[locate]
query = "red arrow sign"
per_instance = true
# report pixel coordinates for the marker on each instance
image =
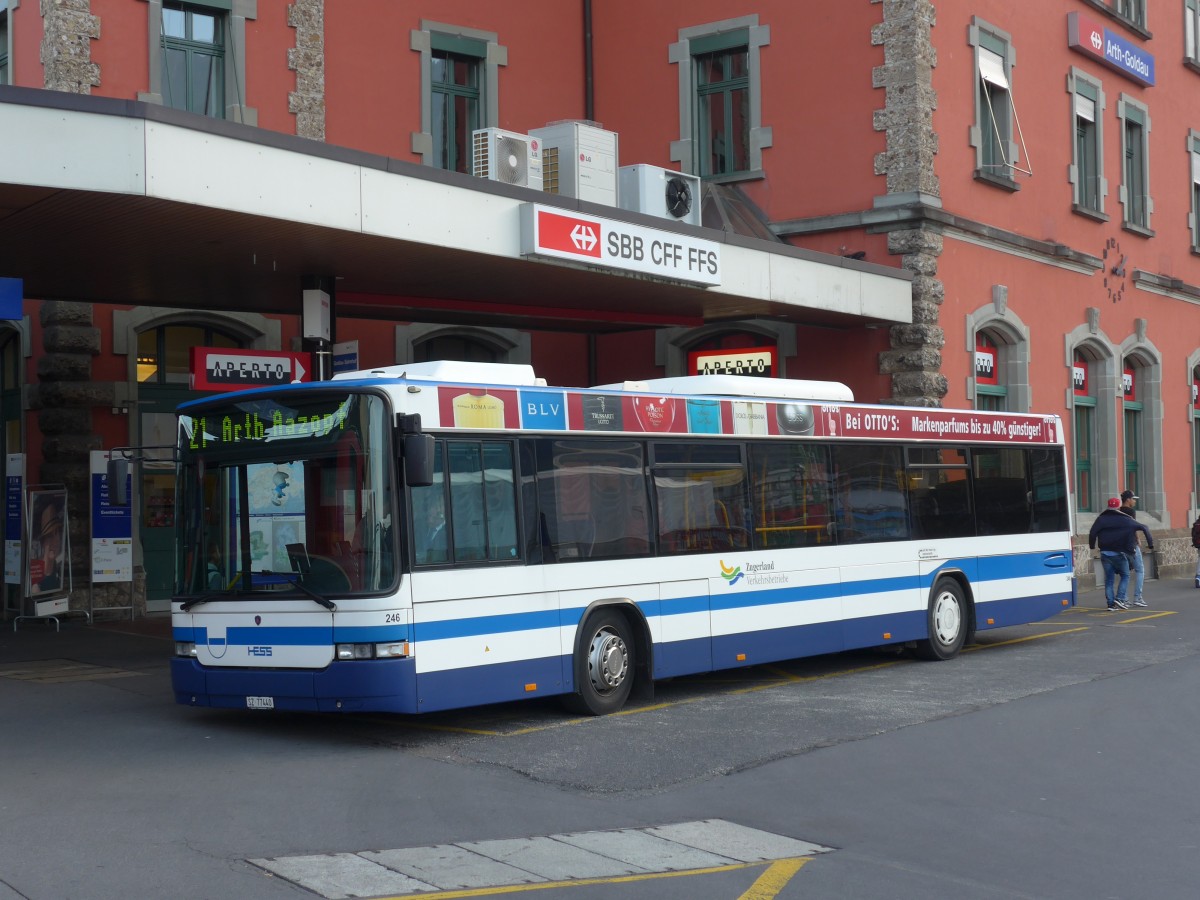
(225, 369)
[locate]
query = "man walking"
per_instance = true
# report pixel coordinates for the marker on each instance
(1115, 534)
(1136, 563)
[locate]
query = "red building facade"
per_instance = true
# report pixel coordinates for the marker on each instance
(1029, 177)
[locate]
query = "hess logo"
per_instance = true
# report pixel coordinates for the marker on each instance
(258, 651)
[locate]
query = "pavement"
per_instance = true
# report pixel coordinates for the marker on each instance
(134, 645)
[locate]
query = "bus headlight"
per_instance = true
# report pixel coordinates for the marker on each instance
(390, 650)
(185, 648)
(355, 651)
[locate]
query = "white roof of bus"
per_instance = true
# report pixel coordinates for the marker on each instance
(456, 372)
(739, 386)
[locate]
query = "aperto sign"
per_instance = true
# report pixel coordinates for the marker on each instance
(1087, 36)
(230, 369)
(590, 240)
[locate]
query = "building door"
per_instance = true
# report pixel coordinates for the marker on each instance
(163, 371)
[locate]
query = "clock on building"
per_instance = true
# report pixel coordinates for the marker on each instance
(1114, 270)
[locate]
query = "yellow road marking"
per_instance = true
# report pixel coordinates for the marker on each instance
(774, 880)
(1157, 615)
(584, 882)
(1021, 640)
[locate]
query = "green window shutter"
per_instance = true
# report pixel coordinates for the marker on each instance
(453, 43)
(726, 40)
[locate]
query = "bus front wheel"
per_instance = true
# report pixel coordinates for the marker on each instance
(604, 665)
(947, 622)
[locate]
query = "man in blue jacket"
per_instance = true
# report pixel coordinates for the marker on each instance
(1115, 534)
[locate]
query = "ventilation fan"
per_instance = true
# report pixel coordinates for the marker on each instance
(666, 193)
(679, 198)
(507, 157)
(512, 160)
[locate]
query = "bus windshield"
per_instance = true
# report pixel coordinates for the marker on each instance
(286, 493)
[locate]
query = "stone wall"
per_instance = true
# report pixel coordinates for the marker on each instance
(915, 359)
(68, 29)
(307, 60)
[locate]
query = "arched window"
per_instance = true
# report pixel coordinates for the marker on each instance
(998, 342)
(1195, 415)
(164, 353)
(461, 347)
(1083, 436)
(1132, 407)
(991, 392)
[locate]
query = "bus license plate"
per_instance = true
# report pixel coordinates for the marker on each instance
(260, 702)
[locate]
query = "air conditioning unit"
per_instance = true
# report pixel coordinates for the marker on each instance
(579, 159)
(660, 192)
(507, 156)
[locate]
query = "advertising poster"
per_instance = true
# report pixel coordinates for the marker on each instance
(14, 517)
(49, 572)
(112, 527)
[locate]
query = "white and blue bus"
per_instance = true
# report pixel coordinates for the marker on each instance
(447, 534)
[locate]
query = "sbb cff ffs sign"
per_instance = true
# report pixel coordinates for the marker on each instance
(229, 369)
(556, 234)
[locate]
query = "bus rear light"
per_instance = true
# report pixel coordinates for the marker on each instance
(185, 648)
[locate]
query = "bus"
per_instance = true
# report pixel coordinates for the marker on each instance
(442, 535)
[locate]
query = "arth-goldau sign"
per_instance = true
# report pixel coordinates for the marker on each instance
(560, 234)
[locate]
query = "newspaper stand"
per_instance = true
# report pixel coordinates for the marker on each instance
(46, 555)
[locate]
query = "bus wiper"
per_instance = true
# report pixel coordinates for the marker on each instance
(301, 586)
(206, 597)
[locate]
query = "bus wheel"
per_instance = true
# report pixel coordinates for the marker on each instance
(604, 665)
(947, 622)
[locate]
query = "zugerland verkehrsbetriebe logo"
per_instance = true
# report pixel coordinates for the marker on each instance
(754, 573)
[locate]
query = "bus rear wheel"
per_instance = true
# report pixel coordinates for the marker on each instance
(604, 665)
(947, 622)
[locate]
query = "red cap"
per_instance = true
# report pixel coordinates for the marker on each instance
(1114, 503)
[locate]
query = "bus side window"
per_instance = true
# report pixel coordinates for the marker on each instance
(428, 516)
(872, 501)
(592, 500)
(790, 493)
(466, 501)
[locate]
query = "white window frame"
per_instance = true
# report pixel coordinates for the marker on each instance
(683, 151)
(1083, 89)
(495, 56)
(994, 62)
(1193, 147)
(1191, 32)
(6, 41)
(235, 14)
(1131, 111)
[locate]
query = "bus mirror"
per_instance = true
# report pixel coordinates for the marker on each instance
(418, 460)
(118, 481)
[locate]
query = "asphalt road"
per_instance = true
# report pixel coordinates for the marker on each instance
(1052, 761)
